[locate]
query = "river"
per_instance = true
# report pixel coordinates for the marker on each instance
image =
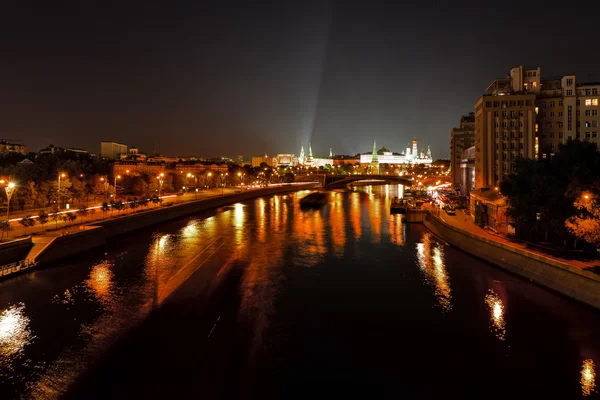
(263, 299)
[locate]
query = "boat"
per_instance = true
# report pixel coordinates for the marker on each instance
(315, 199)
(398, 205)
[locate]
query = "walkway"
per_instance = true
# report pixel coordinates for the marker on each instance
(465, 222)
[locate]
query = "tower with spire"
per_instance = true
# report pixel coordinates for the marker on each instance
(415, 150)
(375, 160)
(309, 159)
(428, 152)
(301, 158)
(330, 152)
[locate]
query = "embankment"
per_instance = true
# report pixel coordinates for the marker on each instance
(15, 250)
(573, 282)
(79, 242)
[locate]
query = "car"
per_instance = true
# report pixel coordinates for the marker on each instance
(449, 210)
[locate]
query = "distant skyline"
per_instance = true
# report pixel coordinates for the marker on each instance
(218, 78)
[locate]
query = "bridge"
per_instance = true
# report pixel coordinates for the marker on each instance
(340, 181)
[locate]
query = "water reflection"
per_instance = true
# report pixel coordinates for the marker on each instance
(100, 281)
(396, 229)
(431, 261)
(14, 334)
(337, 223)
(588, 377)
(355, 211)
(496, 308)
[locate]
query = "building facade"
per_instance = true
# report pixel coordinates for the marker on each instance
(461, 139)
(6, 147)
(588, 108)
(411, 156)
(505, 125)
(467, 172)
(112, 150)
(256, 161)
(285, 160)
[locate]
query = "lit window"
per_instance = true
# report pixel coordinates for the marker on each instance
(588, 102)
(594, 102)
(536, 110)
(533, 84)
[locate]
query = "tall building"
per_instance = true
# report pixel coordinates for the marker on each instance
(309, 158)
(588, 108)
(112, 150)
(256, 161)
(505, 122)
(555, 109)
(461, 139)
(467, 172)
(374, 160)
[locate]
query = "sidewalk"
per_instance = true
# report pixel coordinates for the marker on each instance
(465, 222)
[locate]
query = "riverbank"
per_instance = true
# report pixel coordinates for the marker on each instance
(53, 246)
(567, 277)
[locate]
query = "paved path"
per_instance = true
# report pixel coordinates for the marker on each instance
(465, 222)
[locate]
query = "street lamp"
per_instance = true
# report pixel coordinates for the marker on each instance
(116, 177)
(160, 183)
(190, 175)
(106, 185)
(60, 175)
(223, 183)
(10, 188)
(209, 175)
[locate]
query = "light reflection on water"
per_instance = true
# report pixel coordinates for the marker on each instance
(15, 334)
(431, 262)
(496, 309)
(588, 377)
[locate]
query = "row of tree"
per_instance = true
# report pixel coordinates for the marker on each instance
(555, 198)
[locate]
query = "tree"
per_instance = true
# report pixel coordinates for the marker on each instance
(70, 217)
(5, 226)
(55, 216)
(289, 177)
(585, 225)
(26, 222)
(133, 205)
(543, 195)
(43, 217)
(105, 207)
(82, 212)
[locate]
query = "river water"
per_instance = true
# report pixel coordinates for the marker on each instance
(263, 299)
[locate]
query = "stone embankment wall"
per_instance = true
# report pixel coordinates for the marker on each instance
(573, 282)
(15, 250)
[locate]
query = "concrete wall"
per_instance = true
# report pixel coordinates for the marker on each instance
(71, 244)
(573, 282)
(74, 243)
(15, 250)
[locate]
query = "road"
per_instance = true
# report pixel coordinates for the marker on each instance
(96, 214)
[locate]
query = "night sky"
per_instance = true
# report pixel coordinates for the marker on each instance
(222, 78)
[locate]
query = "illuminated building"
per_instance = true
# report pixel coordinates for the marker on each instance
(505, 125)
(461, 139)
(411, 156)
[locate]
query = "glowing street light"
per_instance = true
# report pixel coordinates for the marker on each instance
(10, 188)
(190, 175)
(116, 177)
(60, 175)
(160, 183)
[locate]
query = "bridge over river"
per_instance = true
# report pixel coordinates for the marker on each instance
(340, 181)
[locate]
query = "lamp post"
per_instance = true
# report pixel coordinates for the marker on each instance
(116, 177)
(223, 183)
(190, 175)
(209, 175)
(60, 175)
(10, 188)
(241, 175)
(160, 183)
(106, 184)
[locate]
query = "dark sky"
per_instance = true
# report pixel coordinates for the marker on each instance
(227, 77)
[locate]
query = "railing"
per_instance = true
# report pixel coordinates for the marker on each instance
(13, 268)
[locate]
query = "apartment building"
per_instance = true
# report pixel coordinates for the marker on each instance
(505, 125)
(555, 109)
(588, 108)
(461, 139)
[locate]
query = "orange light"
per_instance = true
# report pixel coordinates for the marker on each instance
(586, 196)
